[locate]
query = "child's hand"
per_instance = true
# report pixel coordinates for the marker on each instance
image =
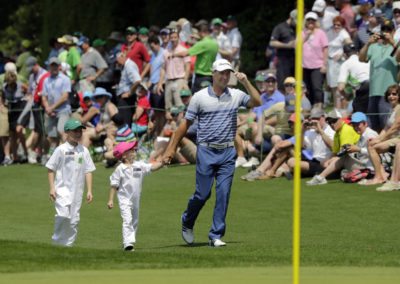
(89, 197)
(52, 194)
(110, 204)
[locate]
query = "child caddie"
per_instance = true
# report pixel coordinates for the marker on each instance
(69, 166)
(127, 180)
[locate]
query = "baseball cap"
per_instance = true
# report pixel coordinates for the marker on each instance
(319, 6)
(363, 2)
(87, 94)
(396, 5)
(358, 117)
(311, 15)
(290, 102)
(334, 114)
(143, 86)
(375, 13)
(222, 65)
(317, 113)
(164, 31)
(172, 25)
(30, 62)
(289, 80)
(101, 92)
(293, 15)
(185, 93)
(10, 67)
(73, 124)
(144, 31)
(54, 60)
(201, 23)
(131, 30)
(67, 39)
(264, 76)
(216, 21)
(123, 147)
(348, 48)
(82, 40)
(98, 42)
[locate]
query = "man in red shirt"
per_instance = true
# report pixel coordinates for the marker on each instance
(135, 50)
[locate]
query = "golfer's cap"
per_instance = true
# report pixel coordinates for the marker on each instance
(164, 31)
(82, 40)
(123, 147)
(317, 113)
(216, 22)
(222, 65)
(311, 16)
(264, 76)
(73, 124)
(87, 95)
(358, 117)
(131, 30)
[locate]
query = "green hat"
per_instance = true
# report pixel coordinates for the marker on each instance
(131, 30)
(185, 93)
(144, 31)
(216, 21)
(175, 110)
(73, 124)
(98, 42)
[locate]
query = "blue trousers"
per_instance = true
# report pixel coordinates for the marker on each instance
(212, 164)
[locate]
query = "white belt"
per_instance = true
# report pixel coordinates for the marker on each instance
(217, 145)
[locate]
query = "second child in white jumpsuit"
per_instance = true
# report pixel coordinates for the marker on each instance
(127, 181)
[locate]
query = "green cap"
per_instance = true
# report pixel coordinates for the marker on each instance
(185, 93)
(73, 124)
(98, 42)
(175, 110)
(131, 30)
(143, 31)
(216, 21)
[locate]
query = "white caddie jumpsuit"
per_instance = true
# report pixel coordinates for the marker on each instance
(128, 180)
(70, 165)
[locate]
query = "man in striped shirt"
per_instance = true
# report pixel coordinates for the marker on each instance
(216, 109)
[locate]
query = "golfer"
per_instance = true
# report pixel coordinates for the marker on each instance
(216, 109)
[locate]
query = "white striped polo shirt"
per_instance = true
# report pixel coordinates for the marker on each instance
(217, 116)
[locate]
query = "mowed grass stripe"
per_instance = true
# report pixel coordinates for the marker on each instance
(342, 225)
(273, 275)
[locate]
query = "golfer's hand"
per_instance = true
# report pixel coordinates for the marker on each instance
(242, 78)
(52, 194)
(110, 204)
(89, 197)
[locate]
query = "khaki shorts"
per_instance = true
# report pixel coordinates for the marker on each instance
(55, 125)
(4, 125)
(189, 151)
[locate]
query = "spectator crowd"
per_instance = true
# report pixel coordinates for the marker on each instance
(137, 84)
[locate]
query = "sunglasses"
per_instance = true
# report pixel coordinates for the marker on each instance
(271, 81)
(289, 85)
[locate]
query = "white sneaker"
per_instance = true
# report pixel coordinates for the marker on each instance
(252, 162)
(217, 243)
(187, 235)
(317, 180)
(389, 186)
(32, 157)
(7, 161)
(240, 161)
(129, 247)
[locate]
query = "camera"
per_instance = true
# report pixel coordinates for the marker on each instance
(380, 34)
(344, 150)
(310, 123)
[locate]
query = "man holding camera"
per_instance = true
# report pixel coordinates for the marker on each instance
(350, 156)
(381, 51)
(317, 143)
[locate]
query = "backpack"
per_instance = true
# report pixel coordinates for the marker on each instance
(355, 175)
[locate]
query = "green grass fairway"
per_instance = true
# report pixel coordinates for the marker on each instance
(343, 225)
(270, 275)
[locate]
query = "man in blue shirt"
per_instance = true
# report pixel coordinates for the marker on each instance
(157, 101)
(216, 109)
(55, 95)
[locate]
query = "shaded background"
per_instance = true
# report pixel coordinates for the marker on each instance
(39, 20)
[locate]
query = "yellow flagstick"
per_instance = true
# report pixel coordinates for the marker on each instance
(297, 148)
